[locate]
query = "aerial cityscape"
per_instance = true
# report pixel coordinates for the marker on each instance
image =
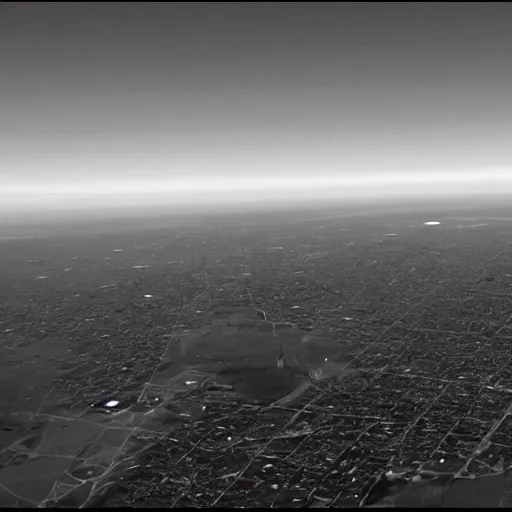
(255, 255)
(146, 362)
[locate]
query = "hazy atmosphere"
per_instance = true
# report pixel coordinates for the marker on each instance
(109, 103)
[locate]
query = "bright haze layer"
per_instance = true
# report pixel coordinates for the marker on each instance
(110, 104)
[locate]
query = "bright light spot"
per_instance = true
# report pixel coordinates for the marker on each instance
(432, 223)
(42, 277)
(442, 461)
(189, 382)
(295, 307)
(148, 296)
(325, 359)
(229, 438)
(112, 403)
(140, 266)
(117, 250)
(275, 487)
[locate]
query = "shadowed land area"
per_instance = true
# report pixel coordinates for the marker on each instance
(444, 492)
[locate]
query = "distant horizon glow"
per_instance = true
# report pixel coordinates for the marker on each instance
(230, 183)
(253, 189)
(254, 183)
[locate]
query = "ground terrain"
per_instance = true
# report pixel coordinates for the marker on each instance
(270, 360)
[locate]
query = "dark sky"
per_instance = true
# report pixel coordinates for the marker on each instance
(154, 95)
